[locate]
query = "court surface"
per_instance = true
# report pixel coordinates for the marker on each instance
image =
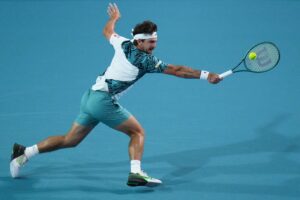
(235, 140)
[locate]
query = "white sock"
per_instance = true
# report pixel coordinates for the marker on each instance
(31, 151)
(135, 166)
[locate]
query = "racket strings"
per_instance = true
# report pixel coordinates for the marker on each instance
(267, 57)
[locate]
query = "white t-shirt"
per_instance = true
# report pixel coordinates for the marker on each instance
(127, 66)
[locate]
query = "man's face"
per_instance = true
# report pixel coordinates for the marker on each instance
(148, 45)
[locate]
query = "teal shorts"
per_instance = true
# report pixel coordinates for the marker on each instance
(99, 106)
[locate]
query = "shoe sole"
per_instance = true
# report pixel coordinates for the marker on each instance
(139, 182)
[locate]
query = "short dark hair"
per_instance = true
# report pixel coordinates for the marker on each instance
(144, 27)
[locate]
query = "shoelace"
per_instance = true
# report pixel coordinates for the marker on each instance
(143, 173)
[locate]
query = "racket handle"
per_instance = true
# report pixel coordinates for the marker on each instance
(225, 74)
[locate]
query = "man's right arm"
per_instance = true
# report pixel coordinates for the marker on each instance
(187, 72)
(114, 15)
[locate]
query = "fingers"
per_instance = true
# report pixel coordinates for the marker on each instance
(116, 7)
(112, 9)
(217, 79)
(214, 78)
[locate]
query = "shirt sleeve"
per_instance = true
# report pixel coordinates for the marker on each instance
(151, 64)
(116, 40)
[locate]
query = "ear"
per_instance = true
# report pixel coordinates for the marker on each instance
(139, 41)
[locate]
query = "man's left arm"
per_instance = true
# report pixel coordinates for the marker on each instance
(187, 72)
(114, 15)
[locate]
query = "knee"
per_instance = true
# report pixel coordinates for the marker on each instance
(137, 133)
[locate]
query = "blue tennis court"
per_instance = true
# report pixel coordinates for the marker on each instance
(238, 139)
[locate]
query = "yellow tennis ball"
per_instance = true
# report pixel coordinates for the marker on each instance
(252, 56)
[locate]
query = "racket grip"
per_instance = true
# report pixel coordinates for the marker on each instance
(225, 74)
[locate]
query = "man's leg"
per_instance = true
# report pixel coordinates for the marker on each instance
(71, 139)
(134, 130)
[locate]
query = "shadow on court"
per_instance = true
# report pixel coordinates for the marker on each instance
(192, 166)
(189, 170)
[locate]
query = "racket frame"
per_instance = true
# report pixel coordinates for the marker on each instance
(229, 72)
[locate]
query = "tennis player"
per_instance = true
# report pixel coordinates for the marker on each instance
(132, 60)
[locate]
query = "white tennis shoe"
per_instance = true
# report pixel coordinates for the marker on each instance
(18, 159)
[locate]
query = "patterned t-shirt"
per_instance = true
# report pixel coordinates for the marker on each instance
(128, 65)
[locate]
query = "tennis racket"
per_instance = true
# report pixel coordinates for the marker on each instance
(267, 57)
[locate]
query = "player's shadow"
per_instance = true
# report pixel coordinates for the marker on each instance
(24, 187)
(189, 169)
(192, 167)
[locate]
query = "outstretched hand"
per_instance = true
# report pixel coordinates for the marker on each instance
(113, 11)
(214, 78)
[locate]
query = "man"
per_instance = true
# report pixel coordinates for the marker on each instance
(132, 59)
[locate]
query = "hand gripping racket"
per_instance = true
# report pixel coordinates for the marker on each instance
(260, 58)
